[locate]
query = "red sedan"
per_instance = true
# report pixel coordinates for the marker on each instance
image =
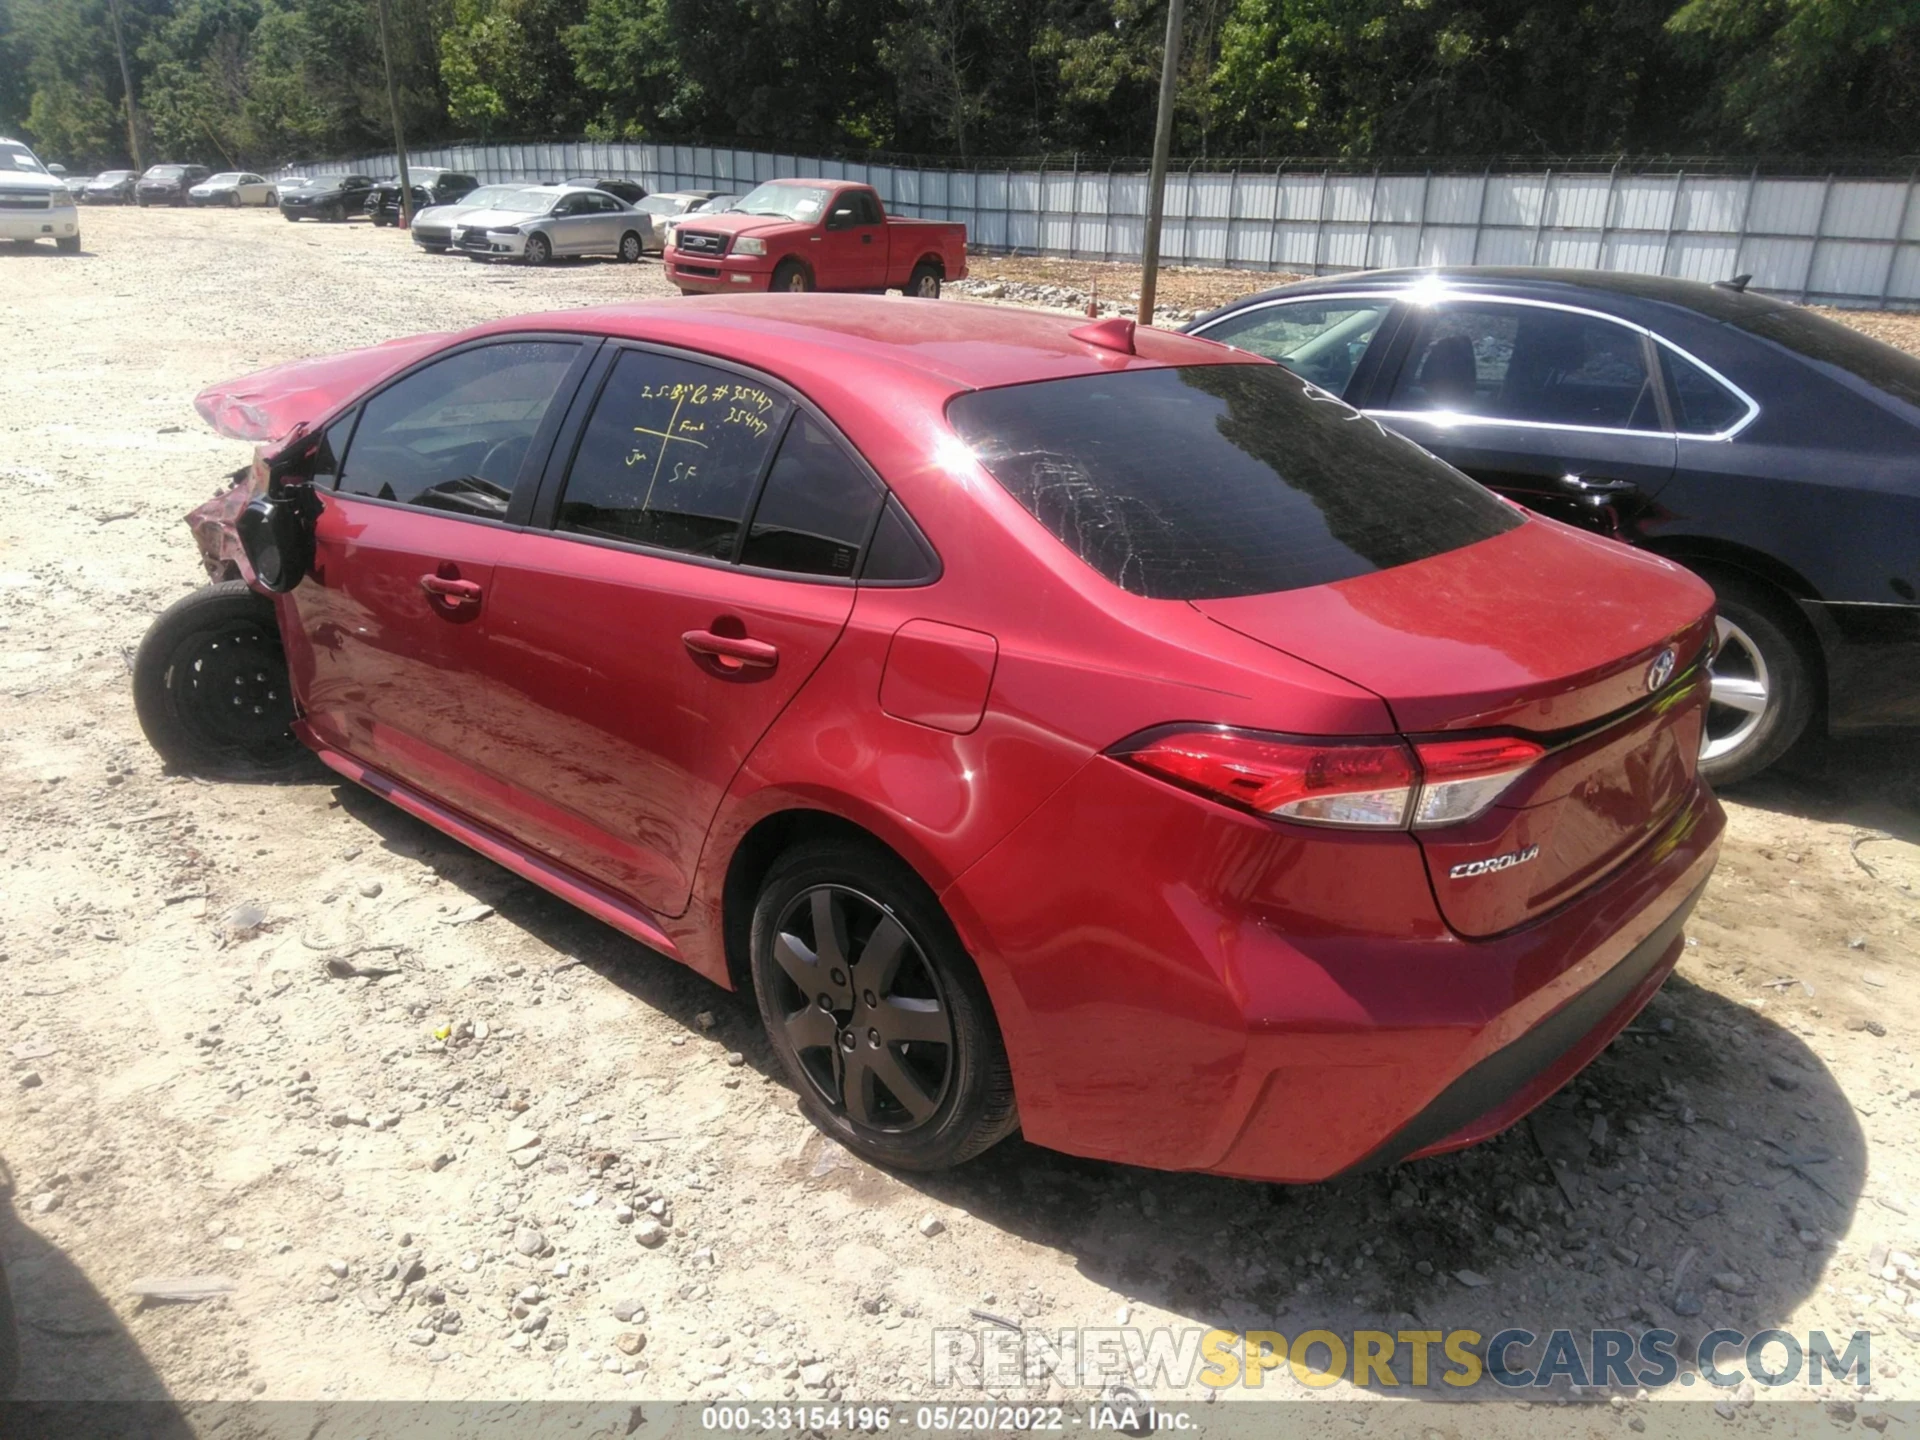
(1096, 731)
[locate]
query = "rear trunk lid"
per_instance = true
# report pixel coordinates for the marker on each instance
(1593, 650)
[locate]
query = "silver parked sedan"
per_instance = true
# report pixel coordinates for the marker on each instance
(546, 222)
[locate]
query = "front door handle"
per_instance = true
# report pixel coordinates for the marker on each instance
(866, 239)
(454, 592)
(732, 652)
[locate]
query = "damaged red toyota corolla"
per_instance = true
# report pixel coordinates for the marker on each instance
(1096, 732)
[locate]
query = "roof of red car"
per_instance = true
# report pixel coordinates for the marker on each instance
(963, 346)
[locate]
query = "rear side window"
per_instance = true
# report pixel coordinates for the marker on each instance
(1701, 404)
(817, 510)
(453, 434)
(1828, 342)
(1217, 480)
(671, 455)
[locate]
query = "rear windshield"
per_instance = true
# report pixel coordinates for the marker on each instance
(1828, 342)
(1218, 480)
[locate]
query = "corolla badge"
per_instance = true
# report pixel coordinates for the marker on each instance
(1493, 864)
(1661, 670)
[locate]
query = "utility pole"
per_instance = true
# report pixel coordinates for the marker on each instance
(1157, 181)
(126, 83)
(399, 138)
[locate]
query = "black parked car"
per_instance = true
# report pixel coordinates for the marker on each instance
(430, 187)
(168, 184)
(324, 197)
(110, 187)
(628, 190)
(1773, 451)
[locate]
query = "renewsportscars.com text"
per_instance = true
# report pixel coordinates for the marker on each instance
(1513, 1358)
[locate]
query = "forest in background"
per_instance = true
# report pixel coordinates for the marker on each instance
(255, 83)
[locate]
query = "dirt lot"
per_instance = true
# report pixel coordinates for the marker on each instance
(189, 1086)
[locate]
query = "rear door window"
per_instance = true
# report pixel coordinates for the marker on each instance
(1319, 340)
(1215, 480)
(672, 455)
(817, 510)
(453, 435)
(1530, 364)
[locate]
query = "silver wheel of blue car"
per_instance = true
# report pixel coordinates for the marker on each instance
(1739, 692)
(1764, 680)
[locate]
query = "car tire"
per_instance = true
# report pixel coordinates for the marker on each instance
(916, 1102)
(234, 201)
(1763, 680)
(271, 200)
(211, 689)
(434, 249)
(67, 244)
(924, 283)
(791, 275)
(538, 251)
(632, 247)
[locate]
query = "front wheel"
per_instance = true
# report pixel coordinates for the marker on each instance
(875, 1010)
(791, 275)
(233, 200)
(924, 282)
(1762, 682)
(211, 689)
(631, 247)
(539, 251)
(67, 244)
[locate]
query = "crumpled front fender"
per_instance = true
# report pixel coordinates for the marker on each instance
(213, 524)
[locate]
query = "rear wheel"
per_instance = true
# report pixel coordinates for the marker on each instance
(875, 1010)
(210, 687)
(539, 251)
(1763, 681)
(791, 275)
(925, 281)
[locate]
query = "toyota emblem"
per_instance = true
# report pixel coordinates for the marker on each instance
(1661, 670)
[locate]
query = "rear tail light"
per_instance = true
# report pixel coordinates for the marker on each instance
(1373, 784)
(1461, 778)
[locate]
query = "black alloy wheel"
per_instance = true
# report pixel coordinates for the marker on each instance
(875, 1009)
(862, 1010)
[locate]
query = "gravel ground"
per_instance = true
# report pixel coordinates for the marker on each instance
(446, 1137)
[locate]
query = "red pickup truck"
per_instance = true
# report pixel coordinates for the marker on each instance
(814, 235)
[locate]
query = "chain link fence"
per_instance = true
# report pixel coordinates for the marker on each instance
(1839, 238)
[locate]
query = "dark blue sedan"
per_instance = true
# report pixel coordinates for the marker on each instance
(1771, 450)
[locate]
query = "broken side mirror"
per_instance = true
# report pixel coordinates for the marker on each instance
(276, 531)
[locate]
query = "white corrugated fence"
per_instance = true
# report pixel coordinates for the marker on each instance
(1833, 239)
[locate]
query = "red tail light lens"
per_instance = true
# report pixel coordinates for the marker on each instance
(1461, 778)
(1380, 784)
(1322, 782)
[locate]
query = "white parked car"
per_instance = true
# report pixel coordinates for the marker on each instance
(35, 204)
(234, 187)
(433, 226)
(667, 208)
(545, 222)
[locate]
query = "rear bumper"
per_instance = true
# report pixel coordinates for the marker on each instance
(1203, 990)
(718, 274)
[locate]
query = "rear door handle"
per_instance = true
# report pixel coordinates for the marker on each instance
(753, 654)
(454, 592)
(1598, 493)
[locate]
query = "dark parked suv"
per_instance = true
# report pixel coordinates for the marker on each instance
(1769, 449)
(168, 184)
